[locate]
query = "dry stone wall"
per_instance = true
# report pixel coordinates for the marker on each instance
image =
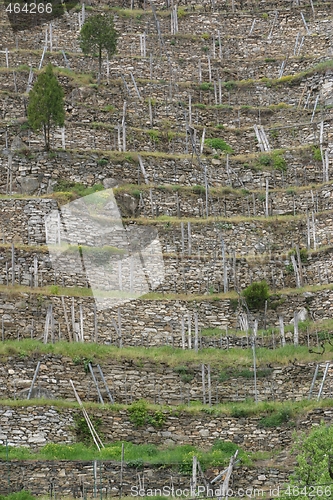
(21, 426)
(78, 477)
(182, 273)
(131, 381)
(149, 322)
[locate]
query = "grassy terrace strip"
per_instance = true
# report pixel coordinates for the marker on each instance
(75, 291)
(180, 457)
(166, 355)
(231, 220)
(132, 156)
(251, 259)
(267, 414)
(87, 78)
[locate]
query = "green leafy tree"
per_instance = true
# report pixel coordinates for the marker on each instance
(313, 474)
(46, 104)
(98, 34)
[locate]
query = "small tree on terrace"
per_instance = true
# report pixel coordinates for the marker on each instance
(98, 34)
(46, 104)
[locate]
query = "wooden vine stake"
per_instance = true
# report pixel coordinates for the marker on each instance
(91, 428)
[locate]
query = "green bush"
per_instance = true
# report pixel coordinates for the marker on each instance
(303, 253)
(279, 163)
(256, 294)
(82, 430)
(64, 186)
(154, 135)
(276, 419)
(317, 156)
(218, 143)
(229, 85)
(265, 160)
(185, 375)
(140, 417)
(206, 86)
(102, 162)
(197, 189)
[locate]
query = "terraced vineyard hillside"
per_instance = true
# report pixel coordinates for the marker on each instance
(205, 156)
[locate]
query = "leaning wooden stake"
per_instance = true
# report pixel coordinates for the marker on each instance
(91, 428)
(225, 486)
(66, 319)
(33, 380)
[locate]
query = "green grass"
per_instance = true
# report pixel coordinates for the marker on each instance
(134, 455)
(65, 186)
(235, 359)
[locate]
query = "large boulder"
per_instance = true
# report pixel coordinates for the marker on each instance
(28, 184)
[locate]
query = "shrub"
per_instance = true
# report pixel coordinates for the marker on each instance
(82, 430)
(303, 253)
(229, 85)
(276, 419)
(279, 163)
(140, 417)
(317, 154)
(256, 294)
(184, 373)
(218, 143)
(197, 189)
(102, 162)
(154, 135)
(265, 160)
(206, 86)
(76, 187)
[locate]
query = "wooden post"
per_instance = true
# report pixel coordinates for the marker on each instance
(189, 331)
(202, 140)
(73, 318)
(300, 270)
(255, 329)
(298, 283)
(196, 330)
(194, 477)
(308, 233)
(189, 240)
(295, 329)
(199, 71)
(150, 112)
(66, 319)
(266, 198)
(121, 470)
(189, 109)
(203, 384)
(95, 323)
(182, 236)
(209, 386)
(119, 326)
(209, 70)
(81, 324)
(13, 265)
(314, 231)
(283, 339)
(183, 332)
(220, 46)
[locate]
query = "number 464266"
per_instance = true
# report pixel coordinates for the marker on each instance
(29, 8)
